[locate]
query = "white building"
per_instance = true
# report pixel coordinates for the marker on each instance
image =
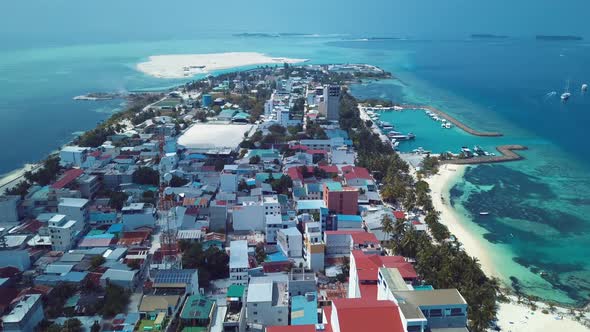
(314, 247)
(63, 232)
(168, 162)
(25, 315)
(238, 262)
(343, 155)
(72, 156)
(9, 208)
(274, 223)
(290, 241)
(250, 216)
(267, 303)
(121, 278)
(74, 209)
(138, 215)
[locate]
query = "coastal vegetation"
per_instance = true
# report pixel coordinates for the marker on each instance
(441, 261)
(42, 176)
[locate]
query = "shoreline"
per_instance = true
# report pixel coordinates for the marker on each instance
(511, 316)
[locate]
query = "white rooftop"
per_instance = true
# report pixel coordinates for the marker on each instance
(213, 136)
(73, 202)
(260, 292)
(21, 309)
(238, 254)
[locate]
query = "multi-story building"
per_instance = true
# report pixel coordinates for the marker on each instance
(25, 315)
(267, 303)
(63, 232)
(313, 246)
(74, 209)
(423, 310)
(72, 156)
(228, 181)
(332, 102)
(290, 242)
(88, 185)
(274, 223)
(339, 199)
(9, 208)
(341, 243)
(238, 262)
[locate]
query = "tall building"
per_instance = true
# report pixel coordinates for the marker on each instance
(341, 200)
(332, 102)
(25, 315)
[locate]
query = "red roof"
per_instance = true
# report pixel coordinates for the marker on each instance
(364, 314)
(324, 152)
(68, 177)
(95, 153)
(8, 271)
(299, 147)
(399, 214)
(295, 174)
(353, 172)
(330, 168)
(358, 236)
(367, 266)
(368, 291)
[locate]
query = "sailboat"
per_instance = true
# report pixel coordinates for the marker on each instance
(566, 95)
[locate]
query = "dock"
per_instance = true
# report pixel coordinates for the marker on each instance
(452, 120)
(506, 151)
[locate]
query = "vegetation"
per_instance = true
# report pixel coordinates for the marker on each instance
(43, 176)
(254, 160)
(177, 181)
(117, 199)
(146, 176)
(429, 165)
(260, 253)
(211, 263)
(282, 185)
(97, 261)
(116, 300)
(55, 303)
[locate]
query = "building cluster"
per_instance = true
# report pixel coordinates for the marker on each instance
(299, 221)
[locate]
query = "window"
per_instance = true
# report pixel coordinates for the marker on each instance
(280, 320)
(255, 304)
(457, 312)
(255, 313)
(435, 313)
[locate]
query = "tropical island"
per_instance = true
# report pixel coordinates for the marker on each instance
(266, 188)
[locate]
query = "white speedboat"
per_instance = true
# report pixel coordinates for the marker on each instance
(565, 96)
(584, 88)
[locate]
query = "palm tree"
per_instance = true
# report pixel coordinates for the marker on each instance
(387, 226)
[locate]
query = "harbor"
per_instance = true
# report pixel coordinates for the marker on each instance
(393, 136)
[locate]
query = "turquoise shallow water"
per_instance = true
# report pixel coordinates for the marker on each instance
(540, 206)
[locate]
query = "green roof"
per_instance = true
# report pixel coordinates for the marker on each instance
(236, 291)
(72, 301)
(95, 232)
(334, 186)
(194, 329)
(197, 307)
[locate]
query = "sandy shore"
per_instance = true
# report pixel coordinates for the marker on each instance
(440, 186)
(512, 316)
(187, 65)
(11, 179)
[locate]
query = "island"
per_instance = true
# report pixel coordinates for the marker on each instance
(558, 37)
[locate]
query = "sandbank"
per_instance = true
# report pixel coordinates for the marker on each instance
(187, 65)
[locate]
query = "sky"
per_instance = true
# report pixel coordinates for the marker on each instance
(29, 22)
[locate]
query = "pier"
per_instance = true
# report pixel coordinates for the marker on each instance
(506, 151)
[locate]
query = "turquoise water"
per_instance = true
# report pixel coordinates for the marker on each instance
(540, 206)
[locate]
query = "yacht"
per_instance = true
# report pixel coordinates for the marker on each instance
(393, 133)
(446, 125)
(421, 150)
(477, 149)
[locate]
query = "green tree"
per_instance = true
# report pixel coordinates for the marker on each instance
(115, 301)
(97, 261)
(177, 181)
(146, 176)
(255, 160)
(95, 327)
(260, 253)
(387, 225)
(117, 199)
(72, 325)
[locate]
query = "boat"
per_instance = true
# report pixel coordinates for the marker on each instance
(478, 149)
(446, 125)
(566, 95)
(584, 88)
(393, 133)
(484, 213)
(421, 150)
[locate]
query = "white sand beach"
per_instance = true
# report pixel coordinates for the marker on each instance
(512, 316)
(187, 65)
(11, 179)
(440, 186)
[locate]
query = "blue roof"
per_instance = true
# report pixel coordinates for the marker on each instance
(276, 257)
(349, 217)
(196, 156)
(299, 192)
(102, 216)
(115, 228)
(310, 204)
(314, 187)
(334, 186)
(304, 309)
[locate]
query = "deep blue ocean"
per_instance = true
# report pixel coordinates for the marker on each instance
(540, 207)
